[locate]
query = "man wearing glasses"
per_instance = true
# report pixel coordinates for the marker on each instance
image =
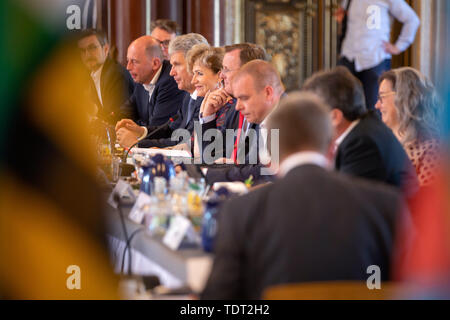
(164, 30)
(110, 84)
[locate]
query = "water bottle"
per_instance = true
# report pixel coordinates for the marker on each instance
(209, 225)
(147, 178)
(210, 218)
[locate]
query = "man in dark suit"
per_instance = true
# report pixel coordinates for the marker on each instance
(129, 132)
(156, 97)
(258, 88)
(110, 83)
(286, 233)
(365, 146)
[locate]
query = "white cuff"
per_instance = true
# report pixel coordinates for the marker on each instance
(144, 134)
(208, 118)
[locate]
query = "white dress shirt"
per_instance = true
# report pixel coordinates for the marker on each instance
(302, 158)
(369, 24)
(96, 75)
(341, 138)
(151, 86)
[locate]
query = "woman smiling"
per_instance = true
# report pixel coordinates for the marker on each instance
(409, 105)
(205, 63)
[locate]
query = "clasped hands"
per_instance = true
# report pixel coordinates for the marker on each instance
(128, 132)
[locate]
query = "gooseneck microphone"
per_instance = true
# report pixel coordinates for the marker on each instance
(174, 118)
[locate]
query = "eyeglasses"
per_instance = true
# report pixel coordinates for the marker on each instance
(164, 43)
(90, 48)
(381, 96)
(225, 70)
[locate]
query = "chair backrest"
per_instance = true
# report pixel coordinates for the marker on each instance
(333, 290)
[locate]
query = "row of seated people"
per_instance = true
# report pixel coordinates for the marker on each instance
(327, 125)
(162, 90)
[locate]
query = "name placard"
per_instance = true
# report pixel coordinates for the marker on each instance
(137, 212)
(179, 226)
(123, 189)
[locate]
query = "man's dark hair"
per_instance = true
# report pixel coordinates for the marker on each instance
(167, 25)
(340, 90)
(100, 34)
(303, 122)
(249, 52)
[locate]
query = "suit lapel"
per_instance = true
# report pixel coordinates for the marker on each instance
(152, 103)
(143, 96)
(190, 110)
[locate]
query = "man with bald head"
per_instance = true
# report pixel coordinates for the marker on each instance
(156, 97)
(258, 89)
(129, 132)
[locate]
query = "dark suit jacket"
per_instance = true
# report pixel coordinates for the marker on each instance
(231, 173)
(241, 172)
(231, 121)
(165, 102)
(116, 87)
(186, 118)
(286, 233)
(372, 151)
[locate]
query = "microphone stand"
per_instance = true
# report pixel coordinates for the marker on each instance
(175, 117)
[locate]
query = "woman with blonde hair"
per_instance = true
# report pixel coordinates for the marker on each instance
(410, 107)
(205, 63)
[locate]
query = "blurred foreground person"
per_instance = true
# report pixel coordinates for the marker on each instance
(410, 107)
(425, 262)
(286, 233)
(51, 223)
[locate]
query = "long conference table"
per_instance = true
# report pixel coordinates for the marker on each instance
(175, 268)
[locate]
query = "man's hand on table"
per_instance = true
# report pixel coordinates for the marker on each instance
(131, 126)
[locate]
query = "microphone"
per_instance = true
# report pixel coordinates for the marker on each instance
(173, 119)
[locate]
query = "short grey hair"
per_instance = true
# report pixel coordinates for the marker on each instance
(185, 42)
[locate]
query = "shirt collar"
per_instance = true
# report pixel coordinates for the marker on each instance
(194, 95)
(346, 132)
(95, 75)
(155, 78)
(302, 158)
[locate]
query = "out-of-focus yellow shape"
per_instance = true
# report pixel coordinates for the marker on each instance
(38, 243)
